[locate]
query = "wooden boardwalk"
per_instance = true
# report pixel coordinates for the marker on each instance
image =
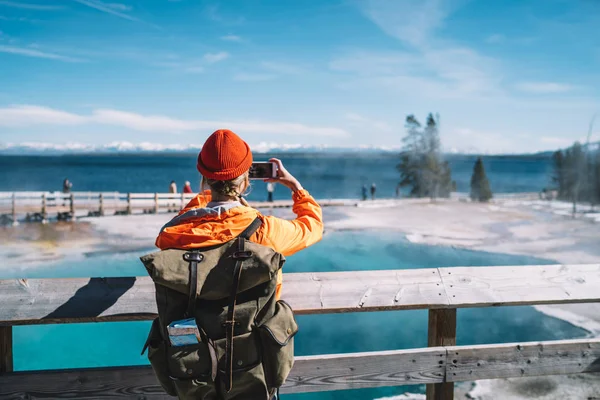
(440, 290)
(43, 206)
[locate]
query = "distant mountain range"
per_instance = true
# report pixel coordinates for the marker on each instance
(40, 148)
(37, 148)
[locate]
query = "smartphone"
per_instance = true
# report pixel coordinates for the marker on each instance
(183, 332)
(263, 170)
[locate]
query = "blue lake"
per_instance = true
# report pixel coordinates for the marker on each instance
(325, 175)
(109, 344)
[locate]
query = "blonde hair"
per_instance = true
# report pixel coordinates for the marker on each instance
(229, 188)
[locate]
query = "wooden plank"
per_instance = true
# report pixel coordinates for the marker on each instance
(310, 374)
(42, 301)
(441, 332)
(72, 205)
(366, 370)
(521, 285)
(14, 210)
(34, 301)
(94, 383)
(338, 371)
(469, 363)
(342, 371)
(351, 291)
(6, 349)
(128, 203)
(43, 211)
(121, 299)
(441, 328)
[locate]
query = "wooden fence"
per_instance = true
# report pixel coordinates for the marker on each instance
(40, 206)
(440, 290)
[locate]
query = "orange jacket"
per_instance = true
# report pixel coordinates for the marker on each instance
(285, 237)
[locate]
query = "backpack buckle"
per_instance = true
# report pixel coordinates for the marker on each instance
(242, 255)
(193, 256)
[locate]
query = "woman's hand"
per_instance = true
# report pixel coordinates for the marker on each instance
(284, 177)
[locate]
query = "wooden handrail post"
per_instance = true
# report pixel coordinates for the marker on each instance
(44, 211)
(128, 203)
(441, 332)
(72, 205)
(101, 201)
(14, 210)
(6, 353)
(155, 203)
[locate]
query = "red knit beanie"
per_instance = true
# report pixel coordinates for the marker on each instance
(224, 156)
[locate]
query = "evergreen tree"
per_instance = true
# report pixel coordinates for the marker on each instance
(558, 178)
(596, 177)
(480, 186)
(421, 166)
(410, 158)
(577, 174)
(574, 171)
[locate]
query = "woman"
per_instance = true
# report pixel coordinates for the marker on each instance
(220, 214)
(187, 188)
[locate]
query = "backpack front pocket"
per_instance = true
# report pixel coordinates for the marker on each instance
(189, 362)
(190, 370)
(277, 339)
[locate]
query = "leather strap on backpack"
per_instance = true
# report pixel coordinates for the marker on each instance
(240, 255)
(193, 258)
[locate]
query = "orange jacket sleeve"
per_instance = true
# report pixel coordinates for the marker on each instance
(289, 237)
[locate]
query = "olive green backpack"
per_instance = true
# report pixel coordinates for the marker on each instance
(245, 349)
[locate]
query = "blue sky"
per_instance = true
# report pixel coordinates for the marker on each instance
(505, 76)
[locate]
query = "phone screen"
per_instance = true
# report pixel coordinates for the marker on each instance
(262, 170)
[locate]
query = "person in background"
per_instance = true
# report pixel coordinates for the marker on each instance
(187, 188)
(67, 186)
(270, 190)
(364, 192)
(398, 191)
(173, 187)
(373, 190)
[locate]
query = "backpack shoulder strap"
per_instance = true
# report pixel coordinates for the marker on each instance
(251, 229)
(240, 255)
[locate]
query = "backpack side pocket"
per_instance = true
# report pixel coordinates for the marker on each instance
(277, 340)
(157, 355)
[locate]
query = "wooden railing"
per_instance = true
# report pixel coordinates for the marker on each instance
(40, 206)
(440, 290)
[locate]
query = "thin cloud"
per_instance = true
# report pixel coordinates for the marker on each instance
(231, 38)
(113, 9)
(454, 72)
(193, 67)
(412, 21)
(363, 122)
(431, 68)
(496, 39)
(268, 70)
(215, 15)
(29, 52)
(29, 6)
(119, 6)
(215, 57)
(252, 77)
(544, 87)
(29, 115)
(282, 68)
